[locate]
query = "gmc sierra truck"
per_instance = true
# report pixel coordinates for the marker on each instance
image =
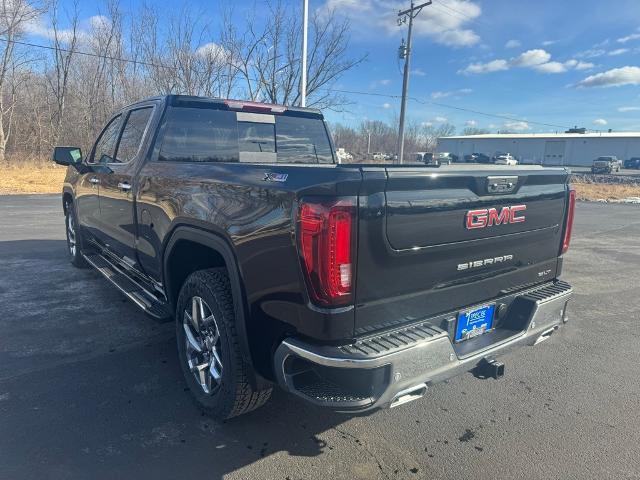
(353, 287)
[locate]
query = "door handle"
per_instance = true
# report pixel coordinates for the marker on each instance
(124, 186)
(94, 180)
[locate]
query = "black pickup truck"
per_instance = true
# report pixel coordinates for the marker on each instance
(352, 286)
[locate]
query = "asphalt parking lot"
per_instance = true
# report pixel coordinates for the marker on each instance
(91, 388)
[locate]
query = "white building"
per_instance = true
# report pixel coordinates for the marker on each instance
(547, 148)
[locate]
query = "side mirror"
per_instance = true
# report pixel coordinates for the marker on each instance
(67, 155)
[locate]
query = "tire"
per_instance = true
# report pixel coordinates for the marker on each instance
(217, 377)
(74, 237)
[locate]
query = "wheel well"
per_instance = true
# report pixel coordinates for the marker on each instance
(185, 258)
(262, 332)
(66, 200)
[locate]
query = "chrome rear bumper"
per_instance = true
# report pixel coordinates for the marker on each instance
(395, 367)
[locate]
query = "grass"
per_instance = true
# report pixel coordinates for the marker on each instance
(46, 177)
(37, 177)
(603, 191)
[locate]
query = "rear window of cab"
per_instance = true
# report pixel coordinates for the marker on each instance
(211, 135)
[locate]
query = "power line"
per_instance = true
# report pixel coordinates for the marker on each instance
(87, 54)
(351, 92)
(453, 107)
(466, 15)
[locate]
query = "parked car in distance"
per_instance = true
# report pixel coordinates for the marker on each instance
(606, 164)
(633, 162)
(505, 159)
(379, 156)
(343, 155)
(278, 266)
(477, 158)
(424, 157)
(445, 158)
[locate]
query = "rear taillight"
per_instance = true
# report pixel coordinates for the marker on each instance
(571, 207)
(326, 242)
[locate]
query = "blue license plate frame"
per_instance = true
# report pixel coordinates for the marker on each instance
(475, 321)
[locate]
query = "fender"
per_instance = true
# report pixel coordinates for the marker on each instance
(67, 190)
(222, 246)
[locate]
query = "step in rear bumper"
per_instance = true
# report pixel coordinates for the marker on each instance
(404, 360)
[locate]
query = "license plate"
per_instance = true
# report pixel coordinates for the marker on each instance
(474, 322)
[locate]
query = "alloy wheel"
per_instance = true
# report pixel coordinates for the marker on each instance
(202, 339)
(71, 235)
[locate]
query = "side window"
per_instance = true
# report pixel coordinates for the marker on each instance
(302, 140)
(199, 135)
(132, 133)
(104, 149)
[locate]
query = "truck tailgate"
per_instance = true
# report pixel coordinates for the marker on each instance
(435, 240)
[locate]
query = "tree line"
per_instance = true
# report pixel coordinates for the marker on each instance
(373, 136)
(64, 90)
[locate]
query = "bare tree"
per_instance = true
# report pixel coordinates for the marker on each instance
(65, 44)
(14, 17)
(432, 134)
(268, 57)
(475, 131)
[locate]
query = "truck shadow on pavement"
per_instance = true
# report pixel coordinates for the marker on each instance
(91, 388)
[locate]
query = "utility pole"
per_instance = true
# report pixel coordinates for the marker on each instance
(303, 79)
(368, 143)
(405, 52)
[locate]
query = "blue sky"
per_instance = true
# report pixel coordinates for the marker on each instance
(564, 62)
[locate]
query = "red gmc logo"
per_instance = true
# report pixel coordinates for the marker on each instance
(488, 217)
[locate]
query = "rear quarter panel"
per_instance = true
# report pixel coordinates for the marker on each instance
(256, 217)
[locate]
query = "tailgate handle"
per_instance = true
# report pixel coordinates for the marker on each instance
(501, 184)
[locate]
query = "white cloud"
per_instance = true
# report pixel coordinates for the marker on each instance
(591, 53)
(600, 121)
(212, 50)
(386, 106)
(513, 44)
(613, 78)
(583, 65)
(548, 43)
(441, 119)
(536, 59)
(462, 91)
(551, 67)
(628, 38)
(492, 66)
(87, 29)
(471, 123)
(531, 58)
(618, 51)
(447, 24)
(427, 124)
(628, 109)
(377, 83)
(517, 126)
(418, 72)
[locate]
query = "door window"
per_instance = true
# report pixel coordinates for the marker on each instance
(199, 135)
(104, 150)
(132, 134)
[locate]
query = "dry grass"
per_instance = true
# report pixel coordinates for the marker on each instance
(603, 191)
(38, 177)
(46, 177)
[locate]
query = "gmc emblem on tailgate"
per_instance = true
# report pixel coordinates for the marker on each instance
(489, 217)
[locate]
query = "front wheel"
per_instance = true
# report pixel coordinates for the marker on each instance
(74, 238)
(209, 347)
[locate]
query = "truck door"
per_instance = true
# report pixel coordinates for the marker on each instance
(117, 220)
(87, 193)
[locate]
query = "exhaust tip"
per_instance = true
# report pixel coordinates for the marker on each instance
(409, 395)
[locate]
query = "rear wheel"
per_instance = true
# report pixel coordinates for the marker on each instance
(209, 350)
(74, 237)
